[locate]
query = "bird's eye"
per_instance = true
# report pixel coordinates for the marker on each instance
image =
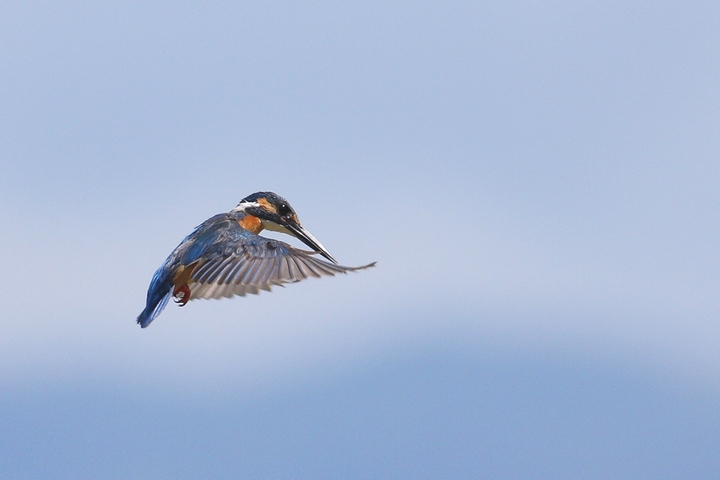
(284, 209)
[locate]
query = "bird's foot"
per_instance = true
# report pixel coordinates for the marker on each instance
(181, 294)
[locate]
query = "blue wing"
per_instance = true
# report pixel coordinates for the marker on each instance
(255, 263)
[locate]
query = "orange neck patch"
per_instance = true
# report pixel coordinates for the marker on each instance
(251, 223)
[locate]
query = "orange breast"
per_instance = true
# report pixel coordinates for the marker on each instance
(251, 223)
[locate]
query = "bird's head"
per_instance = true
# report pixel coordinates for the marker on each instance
(276, 214)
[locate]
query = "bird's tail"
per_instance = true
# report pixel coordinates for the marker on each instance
(151, 312)
(158, 295)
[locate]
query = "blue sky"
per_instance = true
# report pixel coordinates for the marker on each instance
(537, 181)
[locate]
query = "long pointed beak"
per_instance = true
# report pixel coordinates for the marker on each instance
(305, 237)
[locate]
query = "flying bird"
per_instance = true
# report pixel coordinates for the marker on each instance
(224, 256)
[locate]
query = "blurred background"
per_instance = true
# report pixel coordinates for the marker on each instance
(538, 182)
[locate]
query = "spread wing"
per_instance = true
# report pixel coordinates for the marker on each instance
(254, 264)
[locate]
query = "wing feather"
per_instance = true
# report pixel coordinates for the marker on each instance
(316, 272)
(226, 270)
(200, 271)
(255, 264)
(298, 269)
(207, 272)
(247, 263)
(222, 269)
(287, 272)
(239, 274)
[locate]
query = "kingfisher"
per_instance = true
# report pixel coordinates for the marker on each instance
(225, 256)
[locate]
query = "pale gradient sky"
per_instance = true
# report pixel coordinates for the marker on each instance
(539, 183)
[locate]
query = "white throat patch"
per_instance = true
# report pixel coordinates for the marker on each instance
(242, 206)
